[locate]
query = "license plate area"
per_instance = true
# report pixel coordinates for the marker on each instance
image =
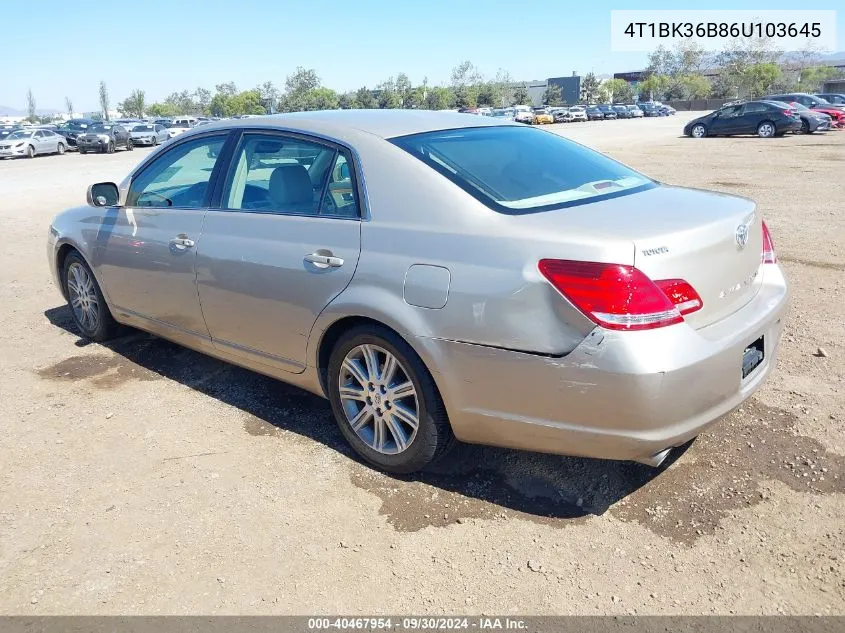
(752, 357)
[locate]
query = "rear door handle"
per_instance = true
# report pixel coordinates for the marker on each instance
(324, 261)
(182, 242)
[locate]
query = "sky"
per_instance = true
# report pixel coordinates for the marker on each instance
(161, 46)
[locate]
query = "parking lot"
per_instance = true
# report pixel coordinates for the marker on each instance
(139, 477)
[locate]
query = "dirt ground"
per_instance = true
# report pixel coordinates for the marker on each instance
(143, 478)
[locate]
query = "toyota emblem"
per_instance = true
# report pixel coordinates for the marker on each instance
(741, 236)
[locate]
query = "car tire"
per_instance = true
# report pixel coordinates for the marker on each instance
(384, 439)
(129, 145)
(155, 141)
(766, 129)
(805, 127)
(699, 130)
(30, 151)
(82, 151)
(60, 149)
(85, 300)
(110, 148)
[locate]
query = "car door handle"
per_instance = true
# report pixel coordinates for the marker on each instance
(182, 242)
(324, 261)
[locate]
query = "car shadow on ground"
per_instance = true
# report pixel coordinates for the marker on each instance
(535, 484)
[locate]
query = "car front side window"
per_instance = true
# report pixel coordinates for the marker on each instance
(179, 178)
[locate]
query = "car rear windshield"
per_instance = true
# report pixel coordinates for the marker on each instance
(522, 170)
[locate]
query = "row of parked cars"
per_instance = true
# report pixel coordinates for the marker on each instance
(566, 114)
(88, 135)
(773, 115)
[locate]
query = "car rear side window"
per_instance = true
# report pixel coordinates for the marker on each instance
(751, 108)
(515, 169)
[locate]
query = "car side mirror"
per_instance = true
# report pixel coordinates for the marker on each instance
(103, 194)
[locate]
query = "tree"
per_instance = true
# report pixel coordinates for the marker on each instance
(228, 89)
(104, 100)
(502, 86)
(321, 99)
(134, 104)
(302, 80)
(810, 79)
(388, 97)
(162, 110)
(403, 90)
(552, 96)
(438, 98)
(365, 99)
(202, 100)
(694, 87)
(465, 83)
(69, 106)
(520, 95)
(30, 106)
(246, 102)
(347, 101)
(590, 88)
(654, 86)
(758, 78)
(183, 102)
(269, 95)
(618, 90)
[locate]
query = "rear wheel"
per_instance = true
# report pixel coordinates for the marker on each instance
(87, 305)
(766, 129)
(698, 131)
(385, 401)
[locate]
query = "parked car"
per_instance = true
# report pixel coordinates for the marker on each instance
(636, 113)
(586, 264)
(649, 109)
(608, 111)
(5, 131)
(104, 137)
(812, 121)
(806, 100)
(561, 115)
(163, 122)
(833, 98)
(149, 134)
(523, 116)
(32, 142)
(73, 128)
(503, 114)
(622, 112)
(179, 125)
(543, 117)
(763, 118)
(594, 113)
(578, 113)
(837, 116)
(666, 110)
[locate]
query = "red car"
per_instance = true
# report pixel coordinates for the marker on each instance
(836, 115)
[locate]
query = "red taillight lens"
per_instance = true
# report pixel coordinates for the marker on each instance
(681, 294)
(768, 256)
(614, 296)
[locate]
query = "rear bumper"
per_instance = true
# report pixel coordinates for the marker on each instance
(618, 395)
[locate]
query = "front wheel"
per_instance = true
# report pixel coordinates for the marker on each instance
(698, 131)
(110, 148)
(82, 151)
(766, 129)
(385, 401)
(129, 145)
(30, 152)
(87, 305)
(805, 127)
(60, 148)
(155, 141)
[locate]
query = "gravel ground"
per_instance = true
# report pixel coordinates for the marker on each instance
(139, 477)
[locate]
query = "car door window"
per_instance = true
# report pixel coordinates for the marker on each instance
(278, 174)
(731, 112)
(39, 134)
(179, 178)
(340, 199)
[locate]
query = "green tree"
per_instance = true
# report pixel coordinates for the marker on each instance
(618, 91)
(30, 106)
(228, 89)
(202, 100)
(183, 102)
(520, 95)
(219, 105)
(403, 89)
(654, 86)
(348, 101)
(590, 88)
(758, 78)
(811, 78)
(365, 99)
(134, 104)
(104, 100)
(552, 96)
(321, 99)
(269, 95)
(438, 98)
(694, 86)
(69, 106)
(246, 102)
(162, 110)
(465, 84)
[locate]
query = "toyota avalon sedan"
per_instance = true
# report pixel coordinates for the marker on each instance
(437, 277)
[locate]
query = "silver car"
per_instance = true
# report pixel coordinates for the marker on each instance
(31, 142)
(437, 276)
(148, 134)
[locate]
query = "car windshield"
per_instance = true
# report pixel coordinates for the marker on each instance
(519, 170)
(19, 134)
(143, 128)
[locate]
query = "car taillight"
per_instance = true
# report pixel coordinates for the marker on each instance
(768, 256)
(621, 297)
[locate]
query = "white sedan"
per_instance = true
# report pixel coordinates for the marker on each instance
(31, 142)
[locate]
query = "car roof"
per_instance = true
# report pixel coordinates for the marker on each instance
(346, 124)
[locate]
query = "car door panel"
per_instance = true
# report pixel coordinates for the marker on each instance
(146, 251)
(258, 293)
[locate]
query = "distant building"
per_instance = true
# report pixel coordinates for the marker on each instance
(634, 78)
(570, 88)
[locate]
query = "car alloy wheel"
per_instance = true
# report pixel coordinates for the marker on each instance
(699, 131)
(805, 126)
(379, 399)
(110, 148)
(30, 152)
(765, 130)
(60, 148)
(82, 297)
(129, 144)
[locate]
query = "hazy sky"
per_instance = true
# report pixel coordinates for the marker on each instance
(60, 48)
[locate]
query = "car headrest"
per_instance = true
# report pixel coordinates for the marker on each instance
(291, 184)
